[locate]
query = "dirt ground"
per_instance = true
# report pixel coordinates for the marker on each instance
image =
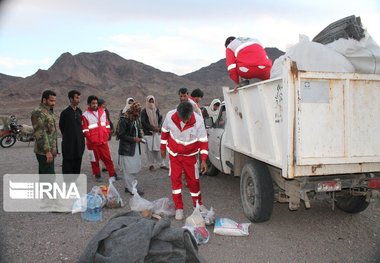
(316, 235)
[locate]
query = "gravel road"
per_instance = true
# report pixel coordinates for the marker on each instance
(315, 235)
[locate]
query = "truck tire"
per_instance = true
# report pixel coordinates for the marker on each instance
(7, 141)
(351, 203)
(256, 191)
(211, 169)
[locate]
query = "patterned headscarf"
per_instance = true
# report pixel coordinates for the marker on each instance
(133, 113)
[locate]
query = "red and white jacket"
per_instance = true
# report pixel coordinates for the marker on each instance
(96, 127)
(187, 140)
(243, 55)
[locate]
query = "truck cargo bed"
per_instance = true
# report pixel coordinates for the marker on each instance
(308, 123)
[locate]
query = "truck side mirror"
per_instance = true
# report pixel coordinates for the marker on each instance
(209, 122)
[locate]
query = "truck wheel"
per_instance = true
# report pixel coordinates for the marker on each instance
(211, 169)
(351, 203)
(256, 191)
(7, 141)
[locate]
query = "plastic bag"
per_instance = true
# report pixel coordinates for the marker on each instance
(163, 207)
(195, 219)
(80, 205)
(200, 233)
(93, 210)
(137, 203)
(113, 197)
(209, 217)
(96, 190)
(228, 227)
(104, 189)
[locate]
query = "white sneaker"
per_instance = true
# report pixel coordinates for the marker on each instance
(179, 214)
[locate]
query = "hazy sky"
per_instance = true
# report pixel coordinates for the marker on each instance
(171, 35)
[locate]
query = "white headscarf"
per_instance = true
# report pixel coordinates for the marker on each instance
(151, 111)
(128, 104)
(210, 109)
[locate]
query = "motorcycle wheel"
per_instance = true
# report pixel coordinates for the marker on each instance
(7, 141)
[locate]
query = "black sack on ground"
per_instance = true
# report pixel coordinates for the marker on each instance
(130, 237)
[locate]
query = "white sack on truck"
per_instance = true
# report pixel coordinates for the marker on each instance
(312, 56)
(364, 54)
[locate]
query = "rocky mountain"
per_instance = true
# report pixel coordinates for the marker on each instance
(111, 77)
(6, 80)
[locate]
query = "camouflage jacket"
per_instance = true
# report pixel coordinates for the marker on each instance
(45, 132)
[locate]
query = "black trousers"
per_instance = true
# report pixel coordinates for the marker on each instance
(43, 166)
(71, 166)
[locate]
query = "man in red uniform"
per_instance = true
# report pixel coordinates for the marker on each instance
(246, 59)
(96, 129)
(183, 135)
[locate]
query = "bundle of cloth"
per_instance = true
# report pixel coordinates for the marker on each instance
(26, 129)
(343, 46)
(130, 237)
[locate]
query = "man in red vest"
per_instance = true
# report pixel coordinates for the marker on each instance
(183, 135)
(246, 59)
(96, 129)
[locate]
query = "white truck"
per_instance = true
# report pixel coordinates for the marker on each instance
(300, 136)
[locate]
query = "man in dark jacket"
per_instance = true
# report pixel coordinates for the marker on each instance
(70, 124)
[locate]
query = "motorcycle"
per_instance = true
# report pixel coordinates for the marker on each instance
(16, 132)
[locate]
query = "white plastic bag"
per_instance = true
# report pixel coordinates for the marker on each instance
(163, 207)
(79, 205)
(137, 203)
(228, 227)
(200, 233)
(113, 197)
(209, 217)
(195, 219)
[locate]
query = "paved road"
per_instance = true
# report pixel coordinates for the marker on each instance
(315, 235)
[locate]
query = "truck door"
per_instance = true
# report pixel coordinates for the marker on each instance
(215, 138)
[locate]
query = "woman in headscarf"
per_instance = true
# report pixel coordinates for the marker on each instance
(151, 121)
(213, 109)
(129, 145)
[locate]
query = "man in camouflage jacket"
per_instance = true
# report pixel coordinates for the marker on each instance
(45, 133)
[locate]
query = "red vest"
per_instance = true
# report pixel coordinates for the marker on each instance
(187, 140)
(96, 128)
(243, 58)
